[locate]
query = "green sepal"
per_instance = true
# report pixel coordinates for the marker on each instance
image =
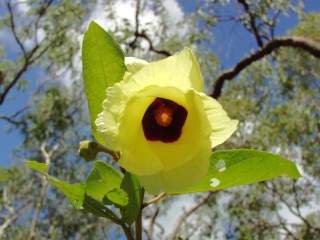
(131, 185)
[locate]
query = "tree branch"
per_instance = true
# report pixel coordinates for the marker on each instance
(12, 120)
(29, 57)
(154, 200)
(143, 35)
(252, 22)
(302, 43)
(187, 214)
(149, 231)
(14, 32)
(47, 159)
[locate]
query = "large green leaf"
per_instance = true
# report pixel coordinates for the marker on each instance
(76, 192)
(231, 168)
(103, 65)
(132, 186)
(102, 179)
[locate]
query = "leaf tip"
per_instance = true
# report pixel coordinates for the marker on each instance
(37, 166)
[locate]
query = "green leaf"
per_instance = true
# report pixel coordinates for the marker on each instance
(74, 192)
(93, 206)
(4, 174)
(231, 168)
(102, 179)
(103, 65)
(116, 196)
(37, 166)
(132, 186)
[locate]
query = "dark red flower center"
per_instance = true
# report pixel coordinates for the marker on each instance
(163, 120)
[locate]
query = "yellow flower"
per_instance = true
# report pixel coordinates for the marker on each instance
(162, 123)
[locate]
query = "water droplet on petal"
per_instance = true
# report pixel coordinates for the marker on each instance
(214, 182)
(221, 165)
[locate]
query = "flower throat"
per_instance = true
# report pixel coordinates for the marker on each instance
(163, 121)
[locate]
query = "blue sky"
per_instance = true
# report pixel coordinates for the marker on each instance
(231, 42)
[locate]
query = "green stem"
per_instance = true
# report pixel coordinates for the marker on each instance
(127, 232)
(138, 222)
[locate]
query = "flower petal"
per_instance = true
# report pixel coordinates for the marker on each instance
(136, 156)
(108, 120)
(222, 126)
(180, 70)
(181, 177)
(144, 157)
(134, 64)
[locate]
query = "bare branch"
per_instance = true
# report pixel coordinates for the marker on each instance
(302, 43)
(293, 208)
(31, 57)
(14, 32)
(47, 158)
(7, 223)
(42, 11)
(13, 121)
(187, 214)
(13, 216)
(149, 231)
(143, 35)
(252, 21)
(154, 200)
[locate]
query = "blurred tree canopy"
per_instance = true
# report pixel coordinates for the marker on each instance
(274, 93)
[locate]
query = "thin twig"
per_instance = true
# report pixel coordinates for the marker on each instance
(143, 35)
(154, 200)
(47, 159)
(14, 32)
(29, 57)
(149, 231)
(183, 218)
(252, 22)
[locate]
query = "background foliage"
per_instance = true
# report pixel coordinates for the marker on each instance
(276, 99)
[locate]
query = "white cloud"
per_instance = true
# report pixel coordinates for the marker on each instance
(30, 42)
(123, 12)
(21, 6)
(174, 10)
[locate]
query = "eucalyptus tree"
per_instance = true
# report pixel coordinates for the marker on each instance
(276, 100)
